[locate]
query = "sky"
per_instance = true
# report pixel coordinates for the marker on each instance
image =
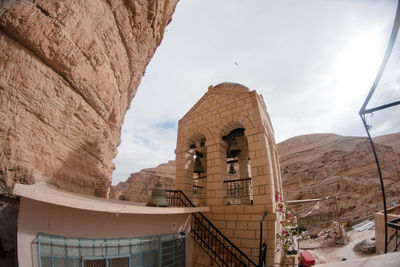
(314, 62)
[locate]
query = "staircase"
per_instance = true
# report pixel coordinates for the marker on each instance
(218, 247)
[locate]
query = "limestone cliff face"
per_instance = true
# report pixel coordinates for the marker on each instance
(322, 165)
(68, 72)
(139, 185)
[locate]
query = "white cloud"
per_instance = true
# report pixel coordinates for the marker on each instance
(313, 62)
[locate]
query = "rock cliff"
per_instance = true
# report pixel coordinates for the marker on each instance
(327, 165)
(314, 166)
(68, 72)
(139, 185)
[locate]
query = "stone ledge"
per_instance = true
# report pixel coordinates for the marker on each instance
(52, 195)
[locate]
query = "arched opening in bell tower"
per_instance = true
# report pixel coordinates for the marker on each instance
(238, 186)
(196, 164)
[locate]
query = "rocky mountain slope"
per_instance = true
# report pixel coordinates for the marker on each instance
(139, 185)
(314, 166)
(328, 165)
(392, 140)
(68, 72)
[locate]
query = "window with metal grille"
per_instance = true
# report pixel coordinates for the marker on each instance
(149, 251)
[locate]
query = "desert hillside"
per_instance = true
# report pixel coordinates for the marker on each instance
(326, 165)
(392, 140)
(139, 185)
(313, 166)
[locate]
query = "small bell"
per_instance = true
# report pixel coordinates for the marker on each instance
(232, 169)
(197, 168)
(157, 197)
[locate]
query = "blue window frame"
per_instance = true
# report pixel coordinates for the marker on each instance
(167, 250)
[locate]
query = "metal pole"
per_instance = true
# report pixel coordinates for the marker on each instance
(297, 218)
(389, 49)
(38, 250)
(380, 176)
(363, 110)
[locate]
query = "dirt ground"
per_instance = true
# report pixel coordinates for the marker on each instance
(334, 254)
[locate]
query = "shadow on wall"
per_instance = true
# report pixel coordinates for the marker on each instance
(8, 231)
(83, 171)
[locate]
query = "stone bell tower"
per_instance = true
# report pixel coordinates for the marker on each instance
(226, 159)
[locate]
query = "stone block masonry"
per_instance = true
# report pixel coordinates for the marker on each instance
(227, 119)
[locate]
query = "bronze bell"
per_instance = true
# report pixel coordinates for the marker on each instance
(197, 168)
(232, 169)
(157, 197)
(233, 149)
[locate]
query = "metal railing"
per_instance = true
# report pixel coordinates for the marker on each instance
(220, 249)
(224, 252)
(238, 191)
(395, 236)
(364, 111)
(198, 197)
(159, 250)
(176, 198)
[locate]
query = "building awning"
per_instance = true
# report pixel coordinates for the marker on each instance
(52, 195)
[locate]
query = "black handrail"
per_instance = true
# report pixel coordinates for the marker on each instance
(235, 252)
(215, 244)
(263, 255)
(235, 248)
(170, 196)
(263, 247)
(394, 224)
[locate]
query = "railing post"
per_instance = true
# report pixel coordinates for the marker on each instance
(38, 251)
